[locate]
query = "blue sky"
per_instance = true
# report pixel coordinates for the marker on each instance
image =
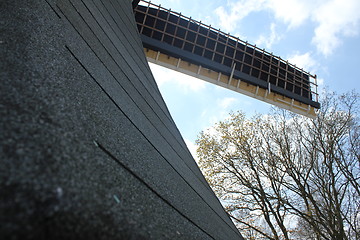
(321, 36)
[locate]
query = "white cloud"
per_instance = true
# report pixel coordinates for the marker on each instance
(238, 10)
(218, 111)
(226, 102)
(183, 82)
(320, 81)
(268, 41)
(336, 19)
(304, 61)
(292, 12)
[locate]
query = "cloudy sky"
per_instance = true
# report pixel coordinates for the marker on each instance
(321, 36)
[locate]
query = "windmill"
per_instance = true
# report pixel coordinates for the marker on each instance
(194, 48)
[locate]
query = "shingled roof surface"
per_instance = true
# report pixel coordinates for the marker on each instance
(88, 147)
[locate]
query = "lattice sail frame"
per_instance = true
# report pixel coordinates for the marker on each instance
(191, 47)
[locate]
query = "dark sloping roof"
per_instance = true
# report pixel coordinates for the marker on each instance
(88, 147)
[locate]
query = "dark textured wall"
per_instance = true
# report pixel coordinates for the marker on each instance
(88, 149)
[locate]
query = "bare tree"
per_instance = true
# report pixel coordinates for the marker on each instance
(282, 176)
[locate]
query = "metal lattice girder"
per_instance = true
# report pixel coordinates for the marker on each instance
(183, 44)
